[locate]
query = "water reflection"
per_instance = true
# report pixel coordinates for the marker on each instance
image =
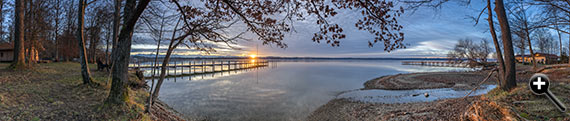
(281, 91)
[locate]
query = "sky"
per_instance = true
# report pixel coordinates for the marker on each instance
(428, 32)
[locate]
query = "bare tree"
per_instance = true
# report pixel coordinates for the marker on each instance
(520, 44)
(156, 20)
(19, 57)
(37, 28)
(484, 51)
(85, 72)
(522, 26)
(68, 39)
(561, 7)
(498, 52)
(57, 20)
(97, 18)
(116, 22)
(2, 19)
(545, 41)
(475, 53)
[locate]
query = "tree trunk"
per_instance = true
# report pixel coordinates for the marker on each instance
(92, 43)
(2, 20)
(56, 29)
(119, 92)
(509, 80)
(496, 42)
(150, 98)
(116, 22)
(559, 36)
(171, 48)
(530, 47)
(85, 73)
(19, 55)
(162, 72)
(108, 40)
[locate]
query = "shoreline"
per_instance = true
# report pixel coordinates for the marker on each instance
(430, 80)
(517, 104)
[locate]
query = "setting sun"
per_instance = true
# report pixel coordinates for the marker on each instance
(252, 55)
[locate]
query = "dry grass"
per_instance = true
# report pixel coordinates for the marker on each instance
(54, 91)
(533, 107)
(527, 105)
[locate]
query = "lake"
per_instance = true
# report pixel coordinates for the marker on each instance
(286, 90)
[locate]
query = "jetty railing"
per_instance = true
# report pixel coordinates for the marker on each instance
(188, 67)
(436, 63)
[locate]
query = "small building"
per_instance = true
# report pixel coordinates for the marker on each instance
(6, 52)
(543, 58)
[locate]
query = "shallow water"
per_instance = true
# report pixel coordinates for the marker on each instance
(281, 91)
(409, 96)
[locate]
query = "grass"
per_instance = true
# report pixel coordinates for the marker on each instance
(530, 106)
(54, 91)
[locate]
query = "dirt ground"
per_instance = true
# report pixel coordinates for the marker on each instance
(517, 104)
(54, 91)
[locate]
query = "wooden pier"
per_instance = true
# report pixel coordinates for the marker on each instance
(177, 68)
(436, 63)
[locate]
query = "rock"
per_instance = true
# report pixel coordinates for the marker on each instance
(426, 94)
(415, 95)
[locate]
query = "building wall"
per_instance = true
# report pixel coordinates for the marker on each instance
(6, 56)
(539, 59)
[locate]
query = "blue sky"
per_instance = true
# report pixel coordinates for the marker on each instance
(429, 33)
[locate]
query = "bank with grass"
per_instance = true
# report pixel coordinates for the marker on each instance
(54, 91)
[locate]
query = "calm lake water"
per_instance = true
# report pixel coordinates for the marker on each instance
(281, 91)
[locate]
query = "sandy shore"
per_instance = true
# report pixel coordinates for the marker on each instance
(430, 80)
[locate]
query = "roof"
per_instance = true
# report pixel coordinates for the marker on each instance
(6, 47)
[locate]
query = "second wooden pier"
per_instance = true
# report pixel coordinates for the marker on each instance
(435, 63)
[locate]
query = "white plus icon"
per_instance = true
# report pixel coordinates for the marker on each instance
(539, 83)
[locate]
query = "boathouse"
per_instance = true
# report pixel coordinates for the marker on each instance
(543, 58)
(6, 52)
